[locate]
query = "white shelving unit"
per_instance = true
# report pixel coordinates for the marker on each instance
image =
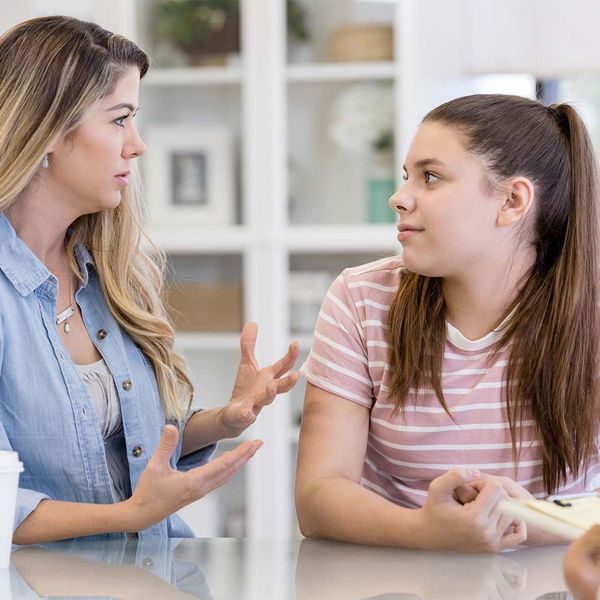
(277, 111)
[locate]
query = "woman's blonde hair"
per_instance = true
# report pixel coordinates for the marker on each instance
(52, 69)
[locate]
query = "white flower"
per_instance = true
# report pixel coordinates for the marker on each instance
(361, 115)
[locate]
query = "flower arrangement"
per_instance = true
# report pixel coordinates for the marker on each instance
(361, 118)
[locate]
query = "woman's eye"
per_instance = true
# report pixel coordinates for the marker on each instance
(430, 177)
(404, 177)
(120, 120)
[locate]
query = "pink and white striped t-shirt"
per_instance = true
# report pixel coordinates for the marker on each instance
(405, 452)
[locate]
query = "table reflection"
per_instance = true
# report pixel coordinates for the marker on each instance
(125, 569)
(327, 570)
(253, 569)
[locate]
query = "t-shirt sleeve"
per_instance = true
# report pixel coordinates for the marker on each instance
(338, 360)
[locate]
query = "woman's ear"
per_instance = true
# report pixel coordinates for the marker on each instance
(517, 199)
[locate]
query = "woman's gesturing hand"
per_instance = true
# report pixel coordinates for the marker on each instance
(162, 490)
(254, 387)
(477, 526)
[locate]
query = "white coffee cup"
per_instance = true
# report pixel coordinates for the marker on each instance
(10, 468)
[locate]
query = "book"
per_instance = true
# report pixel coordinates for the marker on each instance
(568, 517)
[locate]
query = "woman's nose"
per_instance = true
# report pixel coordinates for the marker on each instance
(135, 146)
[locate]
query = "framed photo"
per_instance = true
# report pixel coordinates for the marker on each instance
(188, 174)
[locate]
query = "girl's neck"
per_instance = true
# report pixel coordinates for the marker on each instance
(478, 302)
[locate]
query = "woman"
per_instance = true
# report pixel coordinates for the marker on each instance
(88, 371)
(443, 382)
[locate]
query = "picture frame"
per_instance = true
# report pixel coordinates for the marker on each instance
(189, 175)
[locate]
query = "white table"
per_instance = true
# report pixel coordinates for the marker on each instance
(266, 569)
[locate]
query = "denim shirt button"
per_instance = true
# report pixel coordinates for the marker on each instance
(101, 334)
(137, 451)
(127, 385)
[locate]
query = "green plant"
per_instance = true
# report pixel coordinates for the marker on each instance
(191, 23)
(297, 21)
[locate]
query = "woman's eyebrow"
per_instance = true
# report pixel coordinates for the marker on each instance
(122, 105)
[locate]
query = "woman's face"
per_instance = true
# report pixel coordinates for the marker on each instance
(89, 168)
(447, 220)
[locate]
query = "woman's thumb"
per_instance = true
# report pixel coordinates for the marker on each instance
(168, 443)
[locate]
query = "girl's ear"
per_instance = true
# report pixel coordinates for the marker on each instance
(516, 201)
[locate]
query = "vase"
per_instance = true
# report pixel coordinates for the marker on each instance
(381, 184)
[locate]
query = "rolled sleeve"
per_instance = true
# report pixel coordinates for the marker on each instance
(27, 500)
(193, 459)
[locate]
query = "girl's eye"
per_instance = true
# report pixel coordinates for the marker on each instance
(430, 177)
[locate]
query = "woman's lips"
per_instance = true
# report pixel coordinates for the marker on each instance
(123, 178)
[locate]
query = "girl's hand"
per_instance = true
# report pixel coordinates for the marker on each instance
(162, 490)
(254, 388)
(469, 491)
(477, 526)
(582, 565)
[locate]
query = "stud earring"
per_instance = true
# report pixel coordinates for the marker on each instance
(45, 162)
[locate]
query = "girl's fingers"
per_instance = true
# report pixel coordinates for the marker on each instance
(518, 536)
(488, 498)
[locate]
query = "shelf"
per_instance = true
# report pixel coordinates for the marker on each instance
(225, 240)
(342, 238)
(329, 72)
(191, 341)
(183, 76)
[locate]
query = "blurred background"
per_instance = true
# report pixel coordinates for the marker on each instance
(276, 133)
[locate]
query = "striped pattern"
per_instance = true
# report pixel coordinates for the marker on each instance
(405, 452)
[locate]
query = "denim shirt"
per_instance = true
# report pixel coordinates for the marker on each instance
(46, 414)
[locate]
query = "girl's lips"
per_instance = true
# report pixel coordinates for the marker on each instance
(405, 234)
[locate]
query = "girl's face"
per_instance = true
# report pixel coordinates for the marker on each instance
(447, 219)
(89, 168)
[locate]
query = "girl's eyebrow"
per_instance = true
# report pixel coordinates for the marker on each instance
(426, 162)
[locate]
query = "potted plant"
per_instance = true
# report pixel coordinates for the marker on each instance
(207, 31)
(361, 121)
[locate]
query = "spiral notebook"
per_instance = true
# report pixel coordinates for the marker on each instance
(567, 517)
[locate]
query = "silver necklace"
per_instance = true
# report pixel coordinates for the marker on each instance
(66, 314)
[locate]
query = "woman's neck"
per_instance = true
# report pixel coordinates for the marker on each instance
(41, 229)
(477, 302)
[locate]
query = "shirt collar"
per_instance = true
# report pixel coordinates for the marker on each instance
(456, 338)
(23, 268)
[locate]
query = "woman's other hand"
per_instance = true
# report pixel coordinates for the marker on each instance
(162, 490)
(255, 388)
